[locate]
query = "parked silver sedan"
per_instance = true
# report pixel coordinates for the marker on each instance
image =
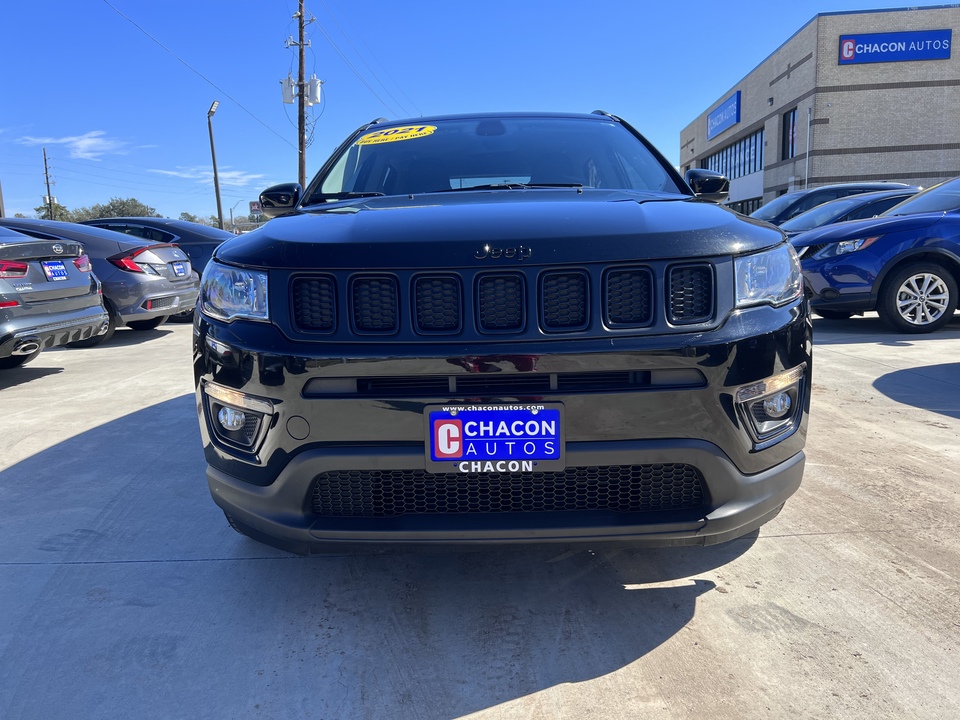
(144, 282)
(48, 297)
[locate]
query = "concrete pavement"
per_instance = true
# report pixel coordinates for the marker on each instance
(123, 593)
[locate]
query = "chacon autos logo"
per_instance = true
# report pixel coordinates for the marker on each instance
(895, 46)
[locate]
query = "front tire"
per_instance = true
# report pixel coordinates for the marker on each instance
(918, 298)
(834, 314)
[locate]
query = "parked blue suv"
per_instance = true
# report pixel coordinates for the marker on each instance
(905, 263)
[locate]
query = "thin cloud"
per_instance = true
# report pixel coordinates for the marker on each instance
(90, 146)
(228, 178)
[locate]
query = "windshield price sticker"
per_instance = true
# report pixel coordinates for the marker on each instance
(510, 439)
(407, 132)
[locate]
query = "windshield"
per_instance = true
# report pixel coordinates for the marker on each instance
(775, 207)
(821, 215)
(940, 198)
(509, 152)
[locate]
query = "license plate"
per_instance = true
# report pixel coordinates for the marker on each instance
(179, 269)
(510, 438)
(54, 269)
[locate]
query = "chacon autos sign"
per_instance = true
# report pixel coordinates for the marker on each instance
(724, 117)
(895, 47)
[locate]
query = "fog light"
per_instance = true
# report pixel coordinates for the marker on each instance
(231, 419)
(771, 407)
(236, 418)
(776, 407)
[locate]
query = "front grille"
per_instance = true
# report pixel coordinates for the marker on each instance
(691, 294)
(563, 301)
(500, 300)
(314, 303)
(629, 297)
(616, 488)
(658, 296)
(375, 304)
(437, 304)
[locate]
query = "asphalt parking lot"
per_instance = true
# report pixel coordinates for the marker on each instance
(124, 594)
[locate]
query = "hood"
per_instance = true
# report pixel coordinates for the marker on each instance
(449, 229)
(855, 229)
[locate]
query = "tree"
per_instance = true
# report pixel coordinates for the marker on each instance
(189, 217)
(59, 212)
(117, 207)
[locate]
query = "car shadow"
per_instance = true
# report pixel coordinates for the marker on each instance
(870, 329)
(935, 388)
(25, 373)
(141, 549)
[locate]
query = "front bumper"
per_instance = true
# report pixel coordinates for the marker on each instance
(268, 489)
(276, 514)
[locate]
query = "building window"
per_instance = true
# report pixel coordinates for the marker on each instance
(788, 138)
(740, 158)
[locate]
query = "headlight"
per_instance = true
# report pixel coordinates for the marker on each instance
(845, 246)
(227, 293)
(771, 277)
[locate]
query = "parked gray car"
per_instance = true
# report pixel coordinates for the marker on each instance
(49, 296)
(198, 241)
(144, 282)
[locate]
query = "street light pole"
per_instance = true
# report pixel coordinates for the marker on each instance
(213, 154)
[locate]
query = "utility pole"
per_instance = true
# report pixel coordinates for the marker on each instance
(301, 107)
(49, 198)
(2, 213)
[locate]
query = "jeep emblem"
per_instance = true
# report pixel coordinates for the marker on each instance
(520, 253)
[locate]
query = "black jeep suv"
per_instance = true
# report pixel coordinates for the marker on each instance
(502, 328)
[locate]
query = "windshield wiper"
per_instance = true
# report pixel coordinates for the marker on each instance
(511, 186)
(317, 197)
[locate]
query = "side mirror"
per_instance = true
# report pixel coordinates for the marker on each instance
(280, 199)
(707, 184)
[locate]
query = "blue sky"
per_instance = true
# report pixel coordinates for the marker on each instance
(124, 115)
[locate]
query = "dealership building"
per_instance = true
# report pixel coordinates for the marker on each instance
(869, 95)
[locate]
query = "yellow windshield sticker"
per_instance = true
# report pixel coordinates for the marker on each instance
(407, 132)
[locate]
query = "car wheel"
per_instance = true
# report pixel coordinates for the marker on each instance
(14, 361)
(147, 324)
(834, 314)
(98, 339)
(918, 298)
(183, 316)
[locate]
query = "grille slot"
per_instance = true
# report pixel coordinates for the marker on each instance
(437, 304)
(500, 303)
(563, 301)
(616, 488)
(375, 304)
(315, 304)
(691, 294)
(629, 297)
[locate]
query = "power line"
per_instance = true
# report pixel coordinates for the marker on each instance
(360, 55)
(208, 80)
(355, 72)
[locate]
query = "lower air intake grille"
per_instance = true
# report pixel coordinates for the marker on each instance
(691, 294)
(314, 304)
(375, 304)
(617, 488)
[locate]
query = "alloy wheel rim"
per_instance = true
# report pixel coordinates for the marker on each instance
(922, 299)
